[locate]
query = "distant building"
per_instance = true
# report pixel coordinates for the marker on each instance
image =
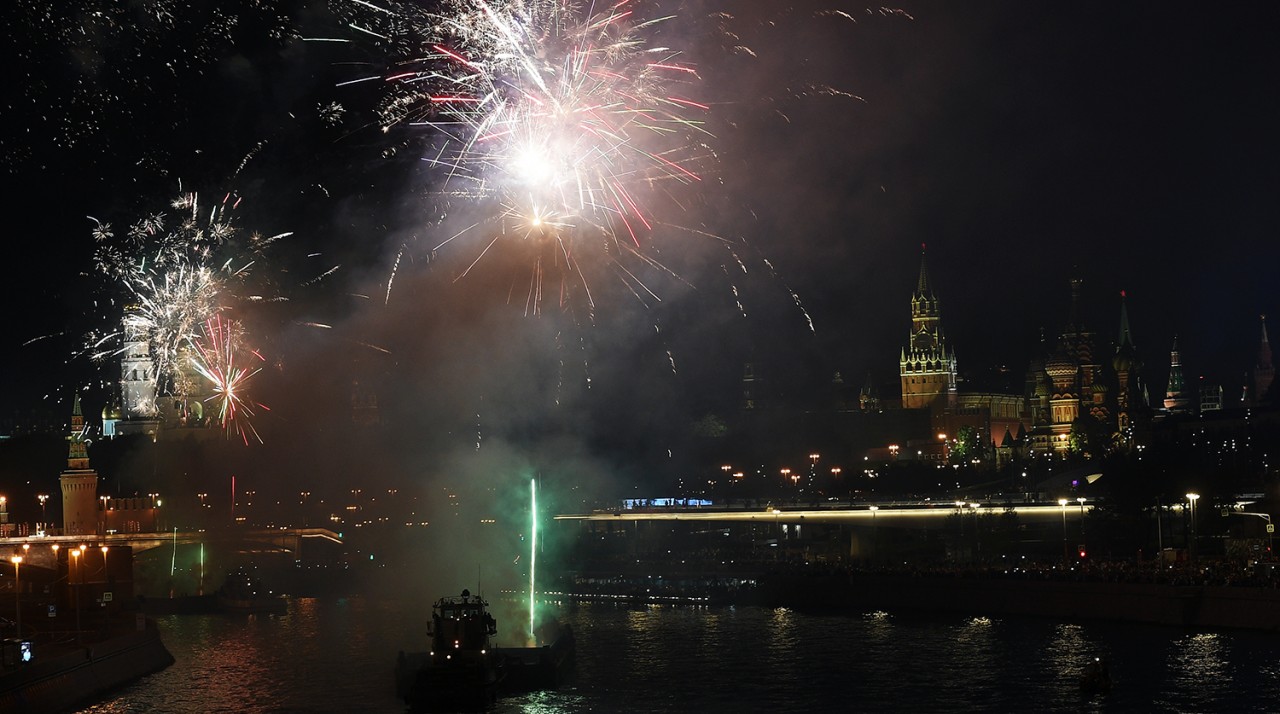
(1210, 397)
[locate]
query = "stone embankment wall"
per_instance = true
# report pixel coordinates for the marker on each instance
(59, 681)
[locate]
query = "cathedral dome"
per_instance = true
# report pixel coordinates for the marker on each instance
(1059, 366)
(1125, 360)
(112, 411)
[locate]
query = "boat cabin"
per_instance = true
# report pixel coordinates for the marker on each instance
(461, 624)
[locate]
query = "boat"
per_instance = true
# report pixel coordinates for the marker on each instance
(1096, 677)
(546, 665)
(462, 671)
(243, 592)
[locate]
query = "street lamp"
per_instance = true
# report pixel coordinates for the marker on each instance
(1065, 558)
(875, 534)
(75, 559)
(44, 518)
(17, 596)
(1193, 497)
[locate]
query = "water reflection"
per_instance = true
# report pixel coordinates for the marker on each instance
(336, 656)
(1199, 671)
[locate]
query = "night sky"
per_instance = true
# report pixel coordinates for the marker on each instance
(1131, 145)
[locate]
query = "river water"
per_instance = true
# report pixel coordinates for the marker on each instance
(337, 655)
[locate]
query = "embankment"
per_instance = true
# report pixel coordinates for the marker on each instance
(58, 679)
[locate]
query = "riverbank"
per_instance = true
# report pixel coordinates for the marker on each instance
(61, 676)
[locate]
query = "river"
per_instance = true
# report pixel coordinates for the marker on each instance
(337, 655)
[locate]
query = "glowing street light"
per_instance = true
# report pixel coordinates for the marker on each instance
(1063, 503)
(875, 534)
(1192, 498)
(17, 596)
(75, 559)
(42, 497)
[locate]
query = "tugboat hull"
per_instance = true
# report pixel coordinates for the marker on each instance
(428, 687)
(532, 668)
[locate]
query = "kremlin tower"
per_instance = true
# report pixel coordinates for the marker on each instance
(1175, 399)
(1264, 373)
(1127, 367)
(927, 365)
(79, 482)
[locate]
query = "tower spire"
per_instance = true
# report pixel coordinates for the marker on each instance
(1264, 372)
(1073, 320)
(1126, 338)
(922, 285)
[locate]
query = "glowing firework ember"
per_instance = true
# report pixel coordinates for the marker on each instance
(565, 120)
(219, 356)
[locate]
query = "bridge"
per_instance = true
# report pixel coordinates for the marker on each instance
(905, 514)
(42, 550)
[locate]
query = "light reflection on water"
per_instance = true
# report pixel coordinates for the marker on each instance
(337, 656)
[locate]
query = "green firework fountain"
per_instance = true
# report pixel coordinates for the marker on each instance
(533, 548)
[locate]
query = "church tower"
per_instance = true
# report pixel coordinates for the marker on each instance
(926, 365)
(1076, 387)
(1175, 399)
(79, 482)
(1264, 373)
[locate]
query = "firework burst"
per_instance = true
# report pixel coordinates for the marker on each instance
(560, 123)
(179, 269)
(221, 358)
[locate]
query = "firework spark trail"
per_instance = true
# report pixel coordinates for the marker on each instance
(218, 354)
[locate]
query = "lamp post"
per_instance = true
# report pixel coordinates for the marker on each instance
(1193, 497)
(1065, 558)
(875, 534)
(17, 595)
(1159, 531)
(75, 591)
(44, 518)
(105, 579)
